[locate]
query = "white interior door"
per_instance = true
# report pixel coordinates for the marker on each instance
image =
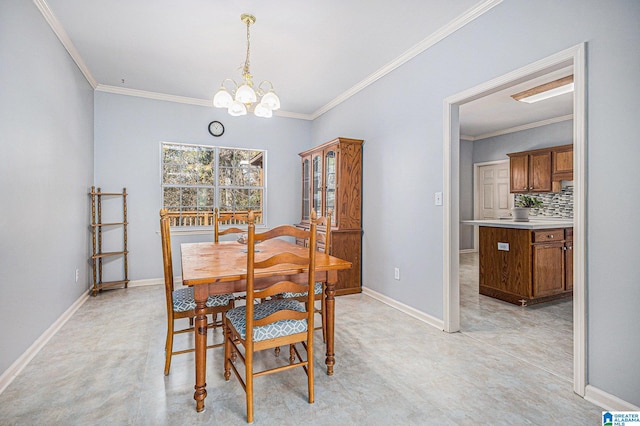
(492, 191)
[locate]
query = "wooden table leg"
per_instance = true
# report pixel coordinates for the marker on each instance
(330, 313)
(200, 330)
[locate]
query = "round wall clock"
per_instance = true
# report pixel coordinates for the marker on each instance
(216, 128)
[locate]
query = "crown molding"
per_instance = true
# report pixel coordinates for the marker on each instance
(180, 99)
(518, 128)
(62, 35)
(425, 44)
(153, 95)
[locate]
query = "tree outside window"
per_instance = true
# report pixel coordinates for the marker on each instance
(198, 178)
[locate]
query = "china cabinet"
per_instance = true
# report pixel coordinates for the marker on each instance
(332, 180)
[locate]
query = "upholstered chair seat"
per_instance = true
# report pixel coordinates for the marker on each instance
(183, 300)
(238, 318)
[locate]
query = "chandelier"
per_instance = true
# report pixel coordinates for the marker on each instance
(242, 98)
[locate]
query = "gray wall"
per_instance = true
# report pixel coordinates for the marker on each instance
(46, 168)
(497, 147)
(128, 132)
(404, 151)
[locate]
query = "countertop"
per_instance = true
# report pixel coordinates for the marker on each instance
(534, 223)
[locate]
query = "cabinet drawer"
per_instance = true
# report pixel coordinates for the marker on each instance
(548, 235)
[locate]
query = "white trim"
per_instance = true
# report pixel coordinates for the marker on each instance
(12, 372)
(579, 220)
(62, 35)
(607, 401)
(180, 99)
(152, 281)
(153, 95)
(425, 44)
(519, 128)
(412, 312)
(451, 144)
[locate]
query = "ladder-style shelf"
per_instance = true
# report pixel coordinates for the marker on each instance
(97, 226)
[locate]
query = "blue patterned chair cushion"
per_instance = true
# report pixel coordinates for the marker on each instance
(237, 317)
(317, 289)
(183, 300)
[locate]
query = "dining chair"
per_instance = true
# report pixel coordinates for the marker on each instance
(274, 322)
(323, 239)
(181, 302)
(227, 218)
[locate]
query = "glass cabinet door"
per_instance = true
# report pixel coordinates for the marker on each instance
(330, 185)
(317, 183)
(306, 189)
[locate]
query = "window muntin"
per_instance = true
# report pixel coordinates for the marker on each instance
(198, 178)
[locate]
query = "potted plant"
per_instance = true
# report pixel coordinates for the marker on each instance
(523, 205)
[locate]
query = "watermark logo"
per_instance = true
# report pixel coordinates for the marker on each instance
(621, 418)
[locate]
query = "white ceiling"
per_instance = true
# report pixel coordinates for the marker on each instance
(316, 53)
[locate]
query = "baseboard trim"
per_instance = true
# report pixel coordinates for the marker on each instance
(419, 315)
(151, 281)
(12, 372)
(606, 400)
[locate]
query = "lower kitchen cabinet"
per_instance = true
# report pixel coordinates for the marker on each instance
(568, 259)
(523, 266)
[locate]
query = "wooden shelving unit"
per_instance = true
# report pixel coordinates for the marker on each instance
(97, 226)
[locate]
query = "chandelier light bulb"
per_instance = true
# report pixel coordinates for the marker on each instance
(237, 109)
(271, 101)
(262, 111)
(246, 94)
(222, 99)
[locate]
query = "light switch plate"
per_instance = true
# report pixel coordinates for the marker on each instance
(438, 198)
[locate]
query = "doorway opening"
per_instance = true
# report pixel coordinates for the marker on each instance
(451, 266)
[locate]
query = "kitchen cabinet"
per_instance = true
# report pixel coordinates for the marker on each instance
(540, 170)
(332, 180)
(548, 266)
(525, 266)
(568, 259)
(561, 166)
(530, 171)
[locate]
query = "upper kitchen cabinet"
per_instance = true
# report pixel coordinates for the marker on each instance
(530, 171)
(332, 180)
(561, 165)
(541, 170)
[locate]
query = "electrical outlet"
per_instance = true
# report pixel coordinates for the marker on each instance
(396, 273)
(77, 274)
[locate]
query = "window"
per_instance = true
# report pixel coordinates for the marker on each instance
(198, 178)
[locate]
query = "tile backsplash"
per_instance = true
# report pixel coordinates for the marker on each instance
(555, 204)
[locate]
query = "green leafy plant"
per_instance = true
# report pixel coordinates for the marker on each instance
(528, 201)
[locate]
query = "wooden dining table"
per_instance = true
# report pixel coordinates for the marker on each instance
(218, 268)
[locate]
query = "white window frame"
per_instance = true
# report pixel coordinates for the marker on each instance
(216, 183)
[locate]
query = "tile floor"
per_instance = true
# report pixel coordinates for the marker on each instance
(105, 367)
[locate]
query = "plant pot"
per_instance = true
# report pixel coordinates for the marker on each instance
(521, 214)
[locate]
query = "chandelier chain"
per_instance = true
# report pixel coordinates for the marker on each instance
(246, 61)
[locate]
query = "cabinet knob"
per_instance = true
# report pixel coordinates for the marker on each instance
(550, 236)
